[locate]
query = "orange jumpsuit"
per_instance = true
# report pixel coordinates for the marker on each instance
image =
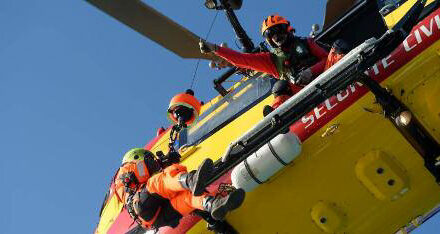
(333, 57)
(164, 183)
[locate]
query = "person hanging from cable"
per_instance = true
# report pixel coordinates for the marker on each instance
(158, 191)
(157, 194)
(295, 59)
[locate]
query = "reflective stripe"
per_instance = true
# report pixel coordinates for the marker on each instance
(141, 168)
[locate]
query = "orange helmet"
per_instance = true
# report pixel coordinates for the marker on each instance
(186, 104)
(273, 20)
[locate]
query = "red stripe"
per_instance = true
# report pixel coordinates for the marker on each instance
(122, 224)
(185, 224)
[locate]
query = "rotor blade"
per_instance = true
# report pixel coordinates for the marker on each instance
(152, 24)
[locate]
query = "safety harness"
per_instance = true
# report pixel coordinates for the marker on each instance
(134, 198)
(290, 63)
(133, 188)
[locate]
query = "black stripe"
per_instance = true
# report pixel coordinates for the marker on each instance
(248, 169)
(275, 154)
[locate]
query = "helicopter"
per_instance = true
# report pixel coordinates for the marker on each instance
(362, 137)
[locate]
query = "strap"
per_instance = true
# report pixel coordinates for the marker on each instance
(272, 150)
(135, 217)
(248, 169)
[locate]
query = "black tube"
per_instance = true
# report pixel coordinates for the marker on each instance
(218, 82)
(244, 39)
(225, 75)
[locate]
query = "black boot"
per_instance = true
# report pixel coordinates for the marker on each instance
(219, 206)
(266, 110)
(195, 181)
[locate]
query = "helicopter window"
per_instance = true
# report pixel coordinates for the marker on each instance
(235, 103)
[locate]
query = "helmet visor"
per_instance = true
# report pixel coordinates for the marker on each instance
(276, 29)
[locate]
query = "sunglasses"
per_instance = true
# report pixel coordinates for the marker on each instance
(277, 29)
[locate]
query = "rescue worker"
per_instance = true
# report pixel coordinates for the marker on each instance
(281, 89)
(339, 49)
(159, 192)
(295, 59)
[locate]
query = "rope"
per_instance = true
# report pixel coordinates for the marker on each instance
(198, 61)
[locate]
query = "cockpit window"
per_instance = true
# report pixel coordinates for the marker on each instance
(235, 103)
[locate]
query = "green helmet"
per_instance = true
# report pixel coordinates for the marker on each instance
(136, 154)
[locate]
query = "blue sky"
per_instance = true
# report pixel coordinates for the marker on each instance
(78, 89)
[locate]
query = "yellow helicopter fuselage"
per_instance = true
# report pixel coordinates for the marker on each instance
(356, 172)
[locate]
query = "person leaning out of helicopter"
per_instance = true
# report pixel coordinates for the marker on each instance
(158, 192)
(295, 59)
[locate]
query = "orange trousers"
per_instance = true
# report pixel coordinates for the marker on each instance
(167, 185)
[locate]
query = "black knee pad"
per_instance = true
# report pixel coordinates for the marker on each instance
(147, 205)
(168, 216)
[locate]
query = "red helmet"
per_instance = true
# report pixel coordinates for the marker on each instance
(273, 20)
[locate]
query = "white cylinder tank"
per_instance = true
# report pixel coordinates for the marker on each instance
(266, 161)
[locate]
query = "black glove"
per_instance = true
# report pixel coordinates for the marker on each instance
(304, 77)
(167, 160)
(130, 181)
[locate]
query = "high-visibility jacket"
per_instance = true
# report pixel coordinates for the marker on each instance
(333, 57)
(141, 172)
(165, 195)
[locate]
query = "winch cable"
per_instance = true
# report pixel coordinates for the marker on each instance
(198, 61)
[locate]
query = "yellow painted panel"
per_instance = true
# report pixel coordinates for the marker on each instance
(326, 169)
(425, 103)
(417, 85)
(382, 176)
(392, 18)
(109, 214)
(187, 151)
(328, 217)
